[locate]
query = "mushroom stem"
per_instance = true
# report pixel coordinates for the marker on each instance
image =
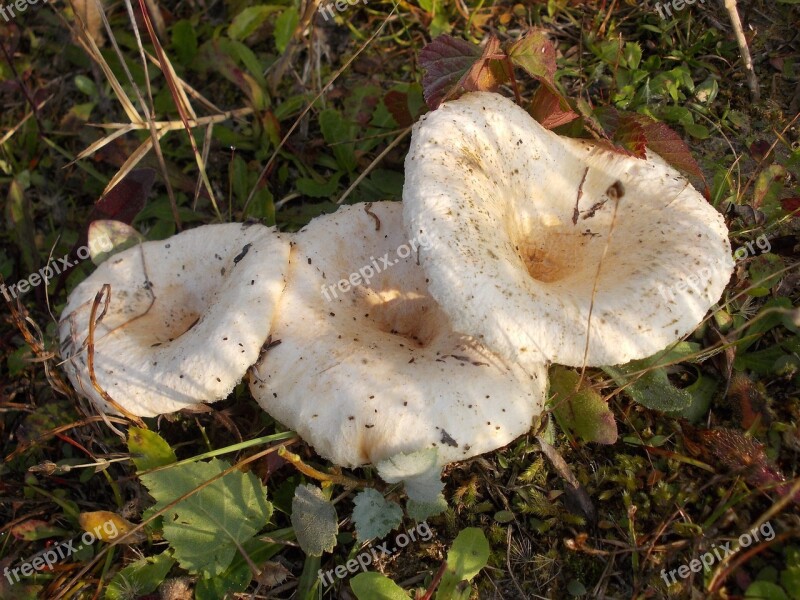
(736, 21)
(309, 471)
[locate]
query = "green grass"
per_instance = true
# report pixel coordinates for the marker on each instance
(324, 108)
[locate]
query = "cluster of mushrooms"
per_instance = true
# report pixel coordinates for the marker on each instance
(540, 249)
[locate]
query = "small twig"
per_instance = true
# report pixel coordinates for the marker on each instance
(106, 289)
(374, 164)
(752, 81)
(309, 471)
(435, 583)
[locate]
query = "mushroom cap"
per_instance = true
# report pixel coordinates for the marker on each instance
(377, 370)
(186, 318)
(519, 221)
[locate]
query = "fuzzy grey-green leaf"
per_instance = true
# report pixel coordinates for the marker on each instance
(314, 520)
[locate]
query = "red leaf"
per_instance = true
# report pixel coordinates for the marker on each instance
(669, 145)
(790, 204)
(631, 135)
(397, 104)
(122, 203)
(488, 72)
(759, 149)
(738, 452)
(550, 109)
(446, 61)
(29, 530)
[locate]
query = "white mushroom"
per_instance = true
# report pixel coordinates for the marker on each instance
(186, 317)
(533, 236)
(364, 365)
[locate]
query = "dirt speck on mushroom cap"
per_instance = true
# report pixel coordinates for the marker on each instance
(187, 316)
(377, 370)
(520, 220)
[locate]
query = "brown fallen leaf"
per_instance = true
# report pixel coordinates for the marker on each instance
(89, 18)
(575, 493)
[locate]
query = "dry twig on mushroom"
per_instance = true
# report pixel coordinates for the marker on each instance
(537, 239)
(186, 317)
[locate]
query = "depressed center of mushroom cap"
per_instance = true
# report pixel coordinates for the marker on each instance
(411, 315)
(180, 312)
(552, 252)
(550, 248)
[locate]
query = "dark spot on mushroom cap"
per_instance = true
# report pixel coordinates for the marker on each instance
(447, 439)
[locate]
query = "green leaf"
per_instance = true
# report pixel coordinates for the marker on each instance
(764, 590)
(419, 511)
(148, 449)
(86, 85)
(374, 586)
(576, 588)
(285, 25)
(206, 529)
(763, 269)
(419, 471)
(313, 189)
(581, 412)
(314, 520)
(761, 362)
(337, 131)
(790, 577)
(140, 577)
(250, 19)
(374, 516)
(469, 554)
(536, 54)
(768, 188)
(238, 575)
(702, 391)
(653, 389)
(768, 317)
(184, 41)
(632, 55)
(504, 516)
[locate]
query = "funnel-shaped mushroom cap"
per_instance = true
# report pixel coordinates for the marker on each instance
(520, 221)
(187, 316)
(366, 372)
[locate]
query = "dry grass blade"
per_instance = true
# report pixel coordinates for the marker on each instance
(615, 195)
(22, 322)
(93, 320)
(76, 578)
(131, 162)
(90, 47)
(47, 435)
(102, 142)
(179, 97)
(310, 105)
(374, 164)
(161, 126)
